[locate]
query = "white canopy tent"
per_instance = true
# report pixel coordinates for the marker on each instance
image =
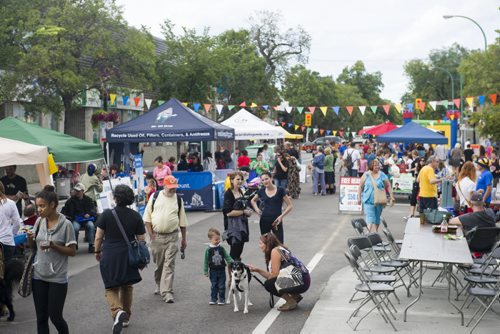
(249, 127)
(18, 153)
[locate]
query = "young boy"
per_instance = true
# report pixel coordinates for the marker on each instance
(215, 260)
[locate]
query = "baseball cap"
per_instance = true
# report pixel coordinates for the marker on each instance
(483, 162)
(79, 187)
(170, 182)
(476, 197)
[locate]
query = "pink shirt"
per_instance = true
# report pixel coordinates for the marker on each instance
(160, 173)
(362, 165)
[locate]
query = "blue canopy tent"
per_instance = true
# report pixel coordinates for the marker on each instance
(412, 133)
(171, 121)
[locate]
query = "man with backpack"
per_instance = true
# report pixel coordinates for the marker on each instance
(164, 216)
(318, 169)
(351, 160)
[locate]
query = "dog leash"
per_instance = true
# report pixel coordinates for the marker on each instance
(271, 296)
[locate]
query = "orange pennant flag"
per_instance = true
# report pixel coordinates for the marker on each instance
(321, 131)
(243, 104)
(311, 109)
(421, 106)
(457, 102)
(207, 107)
(493, 98)
(137, 100)
(387, 108)
(323, 110)
(349, 109)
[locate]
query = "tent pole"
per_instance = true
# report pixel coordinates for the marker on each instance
(107, 152)
(109, 175)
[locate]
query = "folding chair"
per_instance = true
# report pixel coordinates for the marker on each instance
(360, 226)
(486, 298)
(375, 292)
(386, 227)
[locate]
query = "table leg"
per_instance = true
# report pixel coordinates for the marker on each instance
(419, 290)
(449, 268)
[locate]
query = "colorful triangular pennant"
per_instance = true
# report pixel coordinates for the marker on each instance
(136, 101)
(219, 108)
(300, 109)
(398, 106)
(433, 105)
(230, 107)
(160, 102)
(321, 131)
(323, 110)
(311, 109)
(288, 109)
(362, 109)
(387, 108)
(481, 99)
(315, 130)
(148, 102)
(493, 98)
(336, 109)
(374, 109)
(349, 109)
(125, 100)
(265, 107)
(253, 105)
(112, 98)
(196, 106)
(296, 127)
(207, 107)
(421, 106)
(470, 101)
(457, 102)
(185, 104)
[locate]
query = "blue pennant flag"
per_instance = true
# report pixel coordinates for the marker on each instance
(336, 109)
(409, 106)
(196, 106)
(289, 125)
(481, 99)
(328, 132)
(266, 107)
(125, 100)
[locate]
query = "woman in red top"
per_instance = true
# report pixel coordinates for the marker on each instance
(243, 159)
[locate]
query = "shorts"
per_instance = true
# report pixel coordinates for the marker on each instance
(373, 213)
(427, 203)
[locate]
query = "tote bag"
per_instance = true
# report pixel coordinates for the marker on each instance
(379, 194)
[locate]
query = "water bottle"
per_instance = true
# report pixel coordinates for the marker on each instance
(444, 226)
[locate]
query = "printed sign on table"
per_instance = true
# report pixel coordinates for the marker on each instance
(402, 184)
(349, 194)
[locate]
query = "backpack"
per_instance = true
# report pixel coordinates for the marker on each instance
(348, 161)
(216, 259)
(179, 203)
(319, 161)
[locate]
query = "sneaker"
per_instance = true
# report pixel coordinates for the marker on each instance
(221, 302)
(121, 316)
(91, 249)
(126, 323)
(212, 302)
(169, 298)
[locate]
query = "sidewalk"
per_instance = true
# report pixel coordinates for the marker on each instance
(432, 314)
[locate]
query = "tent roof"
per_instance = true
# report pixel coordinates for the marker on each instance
(247, 126)
(15, 152)
(289, 135)
(379, 129)
(65, 148)
(412, 133)
(171, 121)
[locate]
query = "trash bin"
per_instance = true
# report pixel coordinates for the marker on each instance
(63, 187)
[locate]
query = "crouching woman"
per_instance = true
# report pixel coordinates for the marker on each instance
(277, 256)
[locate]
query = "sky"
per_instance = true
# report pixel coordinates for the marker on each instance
(382, 33)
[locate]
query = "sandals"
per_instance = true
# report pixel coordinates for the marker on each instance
(287, 307)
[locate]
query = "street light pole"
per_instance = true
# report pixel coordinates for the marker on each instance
(468, 18)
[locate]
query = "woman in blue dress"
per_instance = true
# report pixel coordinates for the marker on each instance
(366, 194)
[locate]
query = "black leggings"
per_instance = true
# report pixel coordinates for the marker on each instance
(266, 225)
(236, 250)
(49, 301)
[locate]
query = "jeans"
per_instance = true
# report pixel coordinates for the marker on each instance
(352, 172)
(120, 299)
(49, 301)
(164, 248)
(281, 183)
(89, 228)
(218, 280)
(8, 252)
(319, 177)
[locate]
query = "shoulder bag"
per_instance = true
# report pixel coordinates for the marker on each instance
(138, 253)
(379, 194)
(25, 284)
(291, 275)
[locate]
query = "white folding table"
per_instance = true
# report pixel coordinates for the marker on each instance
(422, 245)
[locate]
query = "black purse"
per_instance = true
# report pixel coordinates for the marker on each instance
(138, 253)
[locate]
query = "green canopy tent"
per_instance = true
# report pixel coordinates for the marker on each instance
(65, 148)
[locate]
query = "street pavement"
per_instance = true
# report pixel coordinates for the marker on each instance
(315, 231)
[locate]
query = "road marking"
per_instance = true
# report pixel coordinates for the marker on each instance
(273, 314)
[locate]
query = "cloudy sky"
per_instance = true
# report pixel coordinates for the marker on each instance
(382, 33)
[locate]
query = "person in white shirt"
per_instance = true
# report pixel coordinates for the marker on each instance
(9, 224)
(353, 153)
(441, 152)
(466, 183)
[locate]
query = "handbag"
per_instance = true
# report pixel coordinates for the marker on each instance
(138, 253)
(291, 275)
(25, 284)
(380, 196)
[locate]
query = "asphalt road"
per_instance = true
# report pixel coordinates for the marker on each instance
(314, 231)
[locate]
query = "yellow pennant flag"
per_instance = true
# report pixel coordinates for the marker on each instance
(398, 107)
(296, 127)
(334, 133)
(185, 104)
(52, 165)
(112, 98)
(323, 110)
(470, 101)
(253, 105)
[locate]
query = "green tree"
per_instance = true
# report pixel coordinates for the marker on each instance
(277, 47)
(369, 84)
(56, 49)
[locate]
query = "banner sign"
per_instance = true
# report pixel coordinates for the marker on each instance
(195, 189)
(402, 184)
(349, 194)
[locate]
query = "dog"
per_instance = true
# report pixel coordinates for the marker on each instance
(13, 273)
(240, 282)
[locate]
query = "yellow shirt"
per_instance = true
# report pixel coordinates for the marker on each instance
(424, 178)
(165, 218)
